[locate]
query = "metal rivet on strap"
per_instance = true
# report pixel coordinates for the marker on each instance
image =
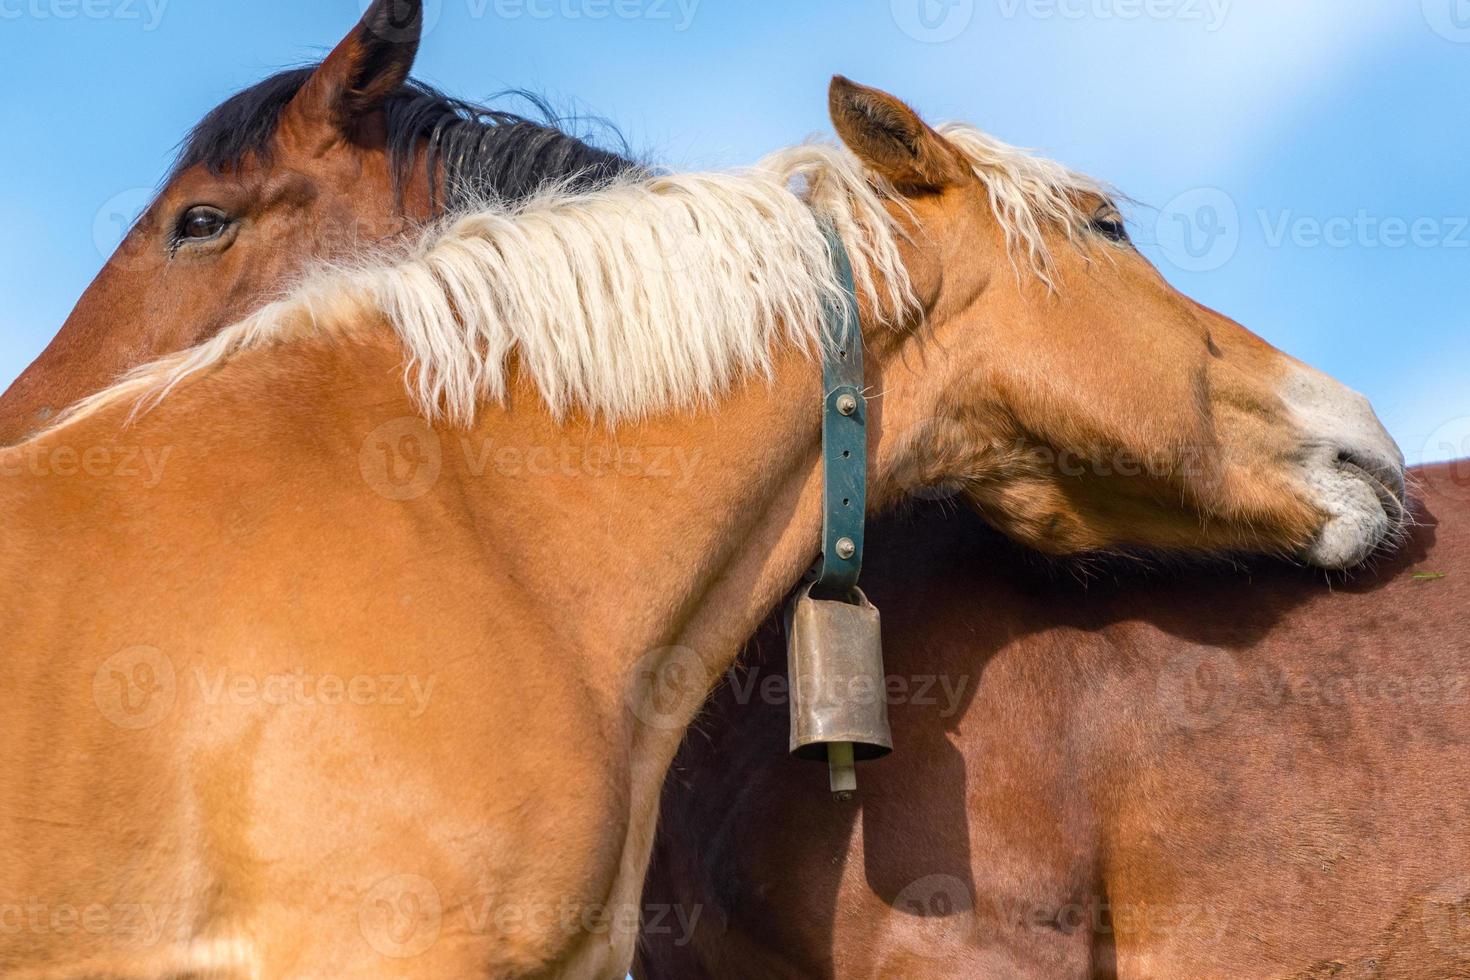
(845, 548)
(847, 404)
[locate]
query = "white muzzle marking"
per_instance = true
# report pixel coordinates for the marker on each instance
(1350, 465)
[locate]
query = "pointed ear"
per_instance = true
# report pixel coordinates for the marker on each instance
(890, 138)
(369, 65)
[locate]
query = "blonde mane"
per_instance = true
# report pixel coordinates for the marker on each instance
(650, 294)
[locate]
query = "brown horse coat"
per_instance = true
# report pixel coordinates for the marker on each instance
(1227, 774)
(209, 666)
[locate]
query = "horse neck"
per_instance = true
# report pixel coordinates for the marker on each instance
(650, 578)
(676, 534)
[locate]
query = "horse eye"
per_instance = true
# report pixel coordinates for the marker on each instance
(1111, 228)
(201, 224)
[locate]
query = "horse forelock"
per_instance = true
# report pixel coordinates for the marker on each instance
(1032, 195)
(470, 151)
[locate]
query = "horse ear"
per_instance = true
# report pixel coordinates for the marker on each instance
(369, 65)
(890, 138)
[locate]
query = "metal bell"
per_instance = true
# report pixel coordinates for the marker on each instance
(839, 698)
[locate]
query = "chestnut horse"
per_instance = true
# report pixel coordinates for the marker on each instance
(1204, 775)
(210, 725)
(312, 164)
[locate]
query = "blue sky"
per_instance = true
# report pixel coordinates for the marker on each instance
(1300, 165)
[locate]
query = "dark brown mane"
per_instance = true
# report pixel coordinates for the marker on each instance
(473, 151)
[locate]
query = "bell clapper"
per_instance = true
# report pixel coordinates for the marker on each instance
(842, 771)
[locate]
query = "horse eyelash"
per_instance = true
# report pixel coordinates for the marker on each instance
(1112, 228)
(176, 236)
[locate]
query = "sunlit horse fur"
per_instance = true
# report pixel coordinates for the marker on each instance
(561, 282)
(534, 778)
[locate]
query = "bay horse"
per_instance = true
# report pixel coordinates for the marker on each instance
(310, 165)
(209, 724)
(1215, 773)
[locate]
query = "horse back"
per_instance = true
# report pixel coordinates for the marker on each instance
(1099, 770)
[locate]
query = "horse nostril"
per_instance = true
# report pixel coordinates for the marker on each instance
(1385, 476)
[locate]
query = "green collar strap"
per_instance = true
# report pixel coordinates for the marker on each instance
(844, 437)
